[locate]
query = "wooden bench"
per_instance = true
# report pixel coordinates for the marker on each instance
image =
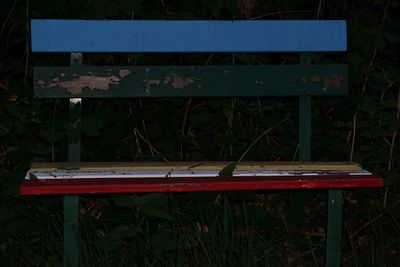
(302, 80)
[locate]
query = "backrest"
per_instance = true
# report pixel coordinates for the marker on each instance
(85, 36)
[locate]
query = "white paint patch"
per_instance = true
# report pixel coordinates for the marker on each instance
(96, 174)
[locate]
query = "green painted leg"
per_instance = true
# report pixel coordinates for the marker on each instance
(301, 198)
(334, 228)
(71, 226)
(71, 202)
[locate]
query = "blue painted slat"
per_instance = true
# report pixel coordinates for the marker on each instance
(188, 36)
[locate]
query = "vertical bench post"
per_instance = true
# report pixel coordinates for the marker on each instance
(71, 202)
(334, 229)
(304, 141)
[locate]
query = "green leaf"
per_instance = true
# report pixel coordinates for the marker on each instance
(156, 213)
(32, 176)
(227, 171)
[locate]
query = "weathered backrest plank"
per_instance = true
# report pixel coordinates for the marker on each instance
(185, 81)
(188, 36)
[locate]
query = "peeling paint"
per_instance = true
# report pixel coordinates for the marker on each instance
(315, 79)
(260, 82)
(152, 82)
(124, 72)
(332, 80)
(40, 83)
(75, 86)
(178, 82)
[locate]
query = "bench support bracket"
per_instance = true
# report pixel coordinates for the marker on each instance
(71, 202)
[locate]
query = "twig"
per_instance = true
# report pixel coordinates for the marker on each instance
(364, 86)
(352, 249)
(387, 87)
(139, 150)
(3, 86)
(371, 221)
(296, 151)
(148, 143)
(353, 138)
(27, 50)
(366, 225)
(8, 17)
(144, 126)
(208, 59)
(230, 125)
(184, 123)
(392, 144)
(185, 116)
(319, 9)
(165, 7)
(259, 137)
(4, 128)
(280, 13)
(53, 157)
(390, 164)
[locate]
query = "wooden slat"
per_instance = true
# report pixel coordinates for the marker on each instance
(103, 186)
(263, 165)
(188, 36)
(195, 170)
(190, 81)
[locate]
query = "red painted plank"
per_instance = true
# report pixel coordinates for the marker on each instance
(116, 185)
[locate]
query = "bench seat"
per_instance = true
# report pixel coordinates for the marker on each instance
(98, 178)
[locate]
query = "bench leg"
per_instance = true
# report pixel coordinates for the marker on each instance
(71, 227)
(334, 230)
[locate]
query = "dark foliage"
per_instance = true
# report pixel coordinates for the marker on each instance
(205, 229)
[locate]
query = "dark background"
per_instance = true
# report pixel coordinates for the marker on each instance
(205, 229)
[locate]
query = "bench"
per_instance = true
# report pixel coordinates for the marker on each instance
(302, 80)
